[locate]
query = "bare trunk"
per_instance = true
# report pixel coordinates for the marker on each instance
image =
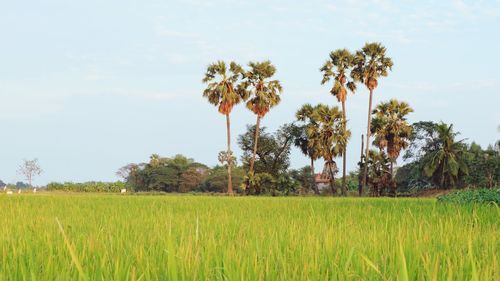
(360, 183)
(229, 158)
(368, 134)
(313, 178)
(256, 141)
(332, 180)
(344, 157)
(392, 184)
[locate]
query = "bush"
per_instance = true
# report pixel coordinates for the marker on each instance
(87, 186)
(472, 196)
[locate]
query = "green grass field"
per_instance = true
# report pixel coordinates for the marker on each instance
(113, 237)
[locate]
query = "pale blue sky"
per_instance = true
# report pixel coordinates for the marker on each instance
(89, 86)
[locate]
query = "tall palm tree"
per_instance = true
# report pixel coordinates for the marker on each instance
(306, 140)
(223, 91)
(331, 136)
(392, 130)
(447, 161)
(370, 63)
(262, 93)
(336, 68)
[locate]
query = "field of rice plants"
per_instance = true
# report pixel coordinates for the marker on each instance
(113, 237)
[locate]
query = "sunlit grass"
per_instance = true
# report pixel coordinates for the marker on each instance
(112, 237)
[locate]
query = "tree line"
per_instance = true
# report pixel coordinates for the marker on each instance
(433, 155)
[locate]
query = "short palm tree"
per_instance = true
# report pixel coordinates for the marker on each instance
(370, 63)
(447, 161)
(391, 129)
(331, 136)
(305, 141)
(337, 68)
(223, 91)
(262, 93)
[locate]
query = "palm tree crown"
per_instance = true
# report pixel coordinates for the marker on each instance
(222, 89)
(444, 164)
(391, 129)
(263, 93)
(370, 63)
(337, 68)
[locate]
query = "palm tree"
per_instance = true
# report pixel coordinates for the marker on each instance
(262, 93)
(379, 176)
(336, 67)
(391, 129)
(331, 136)
(304, 142)
(224, 92)
(370, 63)
(447, 162)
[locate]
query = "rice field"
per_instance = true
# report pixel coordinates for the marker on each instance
(130, 237)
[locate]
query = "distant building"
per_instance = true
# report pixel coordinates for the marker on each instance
(322, 179)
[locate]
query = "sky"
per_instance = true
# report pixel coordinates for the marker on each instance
(90, 86)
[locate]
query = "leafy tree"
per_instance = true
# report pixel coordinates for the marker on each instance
(337, 68)
(447, 161)
(370, 63)
(222, 91)
(273, 152)
(263, 95)
(164, 174)
(216, 179)
(391, 129)
(484, 167)
(302, 177)
(192, 178)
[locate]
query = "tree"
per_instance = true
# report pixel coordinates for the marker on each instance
(337, 68)
(370, 63)
(305, 141)
(192, 178)
(30, 169)
(263, 94)
(331, 138)
(222, 91)
(392, 131)
(216, 179)
(484, 167)
(379, 177)
(444, 164)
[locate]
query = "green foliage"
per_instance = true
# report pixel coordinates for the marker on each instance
(484, 167)
(216, 180)
(472, 196)
(273, 151)
(177, 174)
(87, 186)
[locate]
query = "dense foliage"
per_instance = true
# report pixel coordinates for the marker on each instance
(436, 159)
(87, 186)
(472, 196)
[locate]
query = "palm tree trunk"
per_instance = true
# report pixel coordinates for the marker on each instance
(229, 158)
(368, 134)
(360, 183)
(256, 141)
(332, 180)
(344, 158)
(392, 184)
(313, 178)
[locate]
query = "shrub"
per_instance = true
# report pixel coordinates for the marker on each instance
(472, 196)
(87, 186)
